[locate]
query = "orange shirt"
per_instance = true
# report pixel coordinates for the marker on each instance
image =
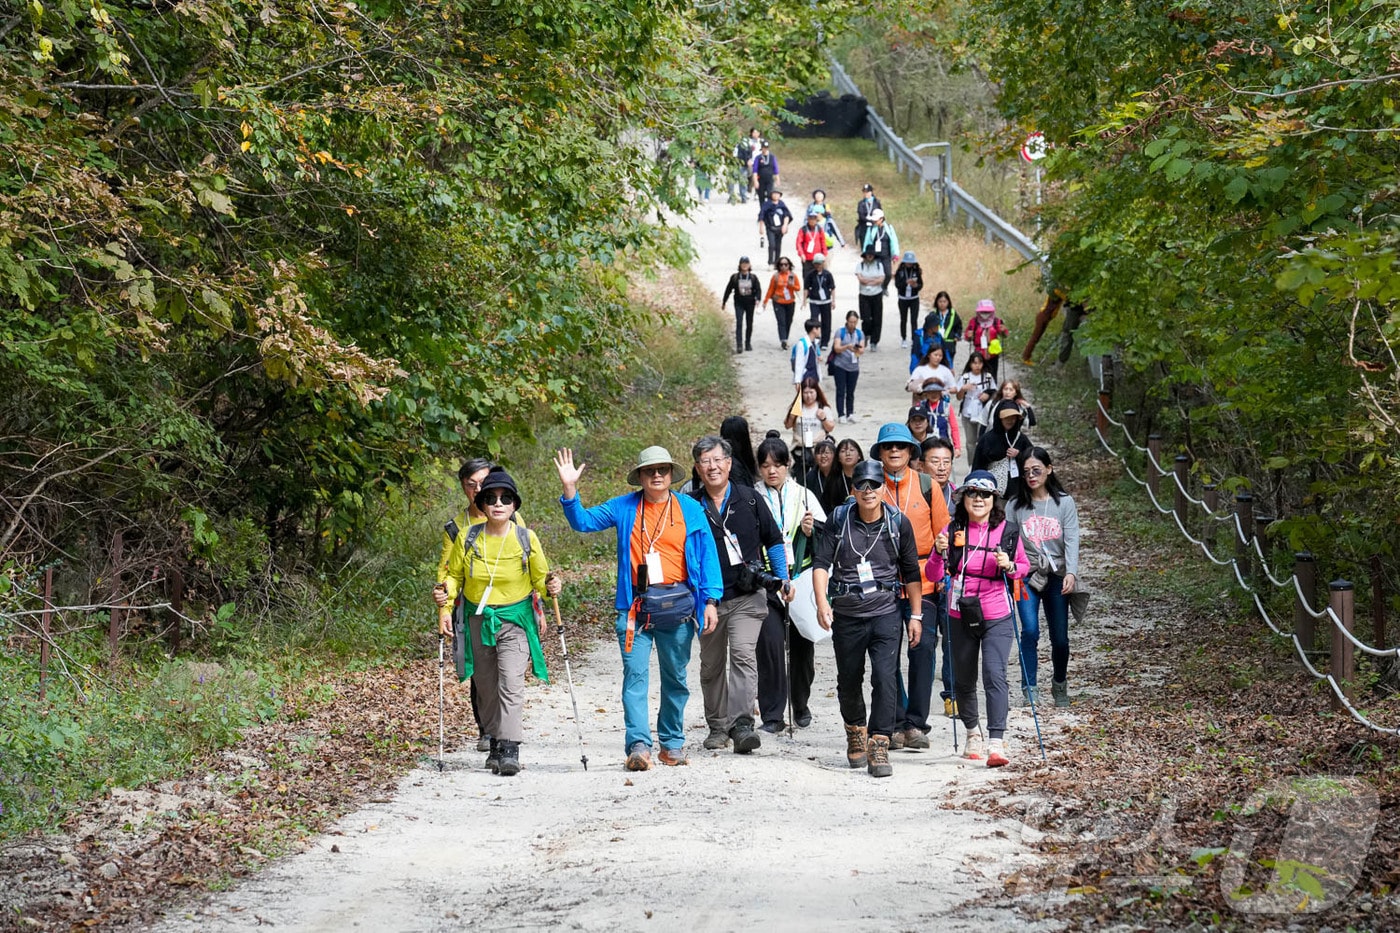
(660, 525)
(927, 520)
(783, 287)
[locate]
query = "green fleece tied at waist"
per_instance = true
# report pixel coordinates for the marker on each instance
(521, 613)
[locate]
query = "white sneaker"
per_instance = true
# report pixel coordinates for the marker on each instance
(996, 754)
(904, 345)
(976, 747)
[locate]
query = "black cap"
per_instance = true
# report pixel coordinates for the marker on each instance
(498, 478)
(866, 187)
(918, 411)
(869, 469)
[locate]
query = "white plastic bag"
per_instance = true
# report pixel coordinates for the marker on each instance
(803, 609)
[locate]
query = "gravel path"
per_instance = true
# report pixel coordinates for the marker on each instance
(787, 838)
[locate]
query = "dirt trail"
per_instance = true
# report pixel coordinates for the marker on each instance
(787, 839)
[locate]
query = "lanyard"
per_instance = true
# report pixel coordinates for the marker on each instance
(649, 546)
(885, 491)
(782, 504)
(850, 542)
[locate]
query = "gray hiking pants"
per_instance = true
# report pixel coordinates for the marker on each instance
(994, 645)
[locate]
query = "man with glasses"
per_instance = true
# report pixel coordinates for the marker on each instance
(865, 555)
(470, 476)
(664, 545)
(743, 528)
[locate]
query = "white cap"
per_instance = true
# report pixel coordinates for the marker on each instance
(877, 214)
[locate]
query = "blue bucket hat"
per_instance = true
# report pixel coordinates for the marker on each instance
(892, 432)
(909, 256)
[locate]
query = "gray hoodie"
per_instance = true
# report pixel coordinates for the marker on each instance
(1050, 534)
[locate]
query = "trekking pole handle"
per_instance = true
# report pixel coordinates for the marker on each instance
(558, 620)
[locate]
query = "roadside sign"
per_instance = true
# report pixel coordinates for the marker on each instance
(1035, 147)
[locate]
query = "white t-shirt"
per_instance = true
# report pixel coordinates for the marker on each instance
(810, 424)
(871, 270)
(923, 373)
(972, 405)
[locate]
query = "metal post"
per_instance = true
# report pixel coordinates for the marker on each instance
(1180, 465)
(1343, 602)
(44, 634)
(1154, 468)
(1244, 514)
(1305, 598)
(1130, 420)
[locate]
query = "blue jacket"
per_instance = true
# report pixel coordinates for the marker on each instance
(701, 558)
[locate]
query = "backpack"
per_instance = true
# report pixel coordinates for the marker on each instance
(809, 370)
(842, 513)
(522, 535)
(1010, 534)
(938, 416)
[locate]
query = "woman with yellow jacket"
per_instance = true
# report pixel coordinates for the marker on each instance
(497, 566)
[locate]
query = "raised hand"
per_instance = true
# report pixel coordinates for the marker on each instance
(568, 473)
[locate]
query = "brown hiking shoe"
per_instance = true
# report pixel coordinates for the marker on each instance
(913, 739)
(639, 759)
(897, 739)
(673, 758)
(855, 746)
(879, 756)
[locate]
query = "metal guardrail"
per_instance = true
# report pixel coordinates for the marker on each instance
(936, 172)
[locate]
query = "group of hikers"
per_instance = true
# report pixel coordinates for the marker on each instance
(898, 557)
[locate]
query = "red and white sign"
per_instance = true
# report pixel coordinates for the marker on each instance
(1035, 147)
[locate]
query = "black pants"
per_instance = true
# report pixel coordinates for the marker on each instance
(822, 312)
(993, 364)
(853, 639)
(872, 312)
(889, 273)
(783, 312)
(765, 186)
(775, 245)
(775, 682)
(908, 311)
(743, 323)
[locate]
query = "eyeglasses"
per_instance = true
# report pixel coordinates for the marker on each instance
(655, 471)
(978, 493)
(1035, 471)
(706, 464)
(500, 498)
(866, 485)
(472, 483)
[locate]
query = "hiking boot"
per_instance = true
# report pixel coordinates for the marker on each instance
(896, 739)
(803, 719)
(950, 707)
(673, 757)
(493, 759)
(748, 346)
(639, 757)
(772, 728)
(483, 743)
(1030, 696)
(717, 739)
(878, 753)
(510, 759)
(914, 739)
(996, 754)
(976, 747)
(1059, 689)
(745, 739)
(855, 746)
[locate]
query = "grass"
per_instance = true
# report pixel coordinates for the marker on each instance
(953, 259)
(151, 717)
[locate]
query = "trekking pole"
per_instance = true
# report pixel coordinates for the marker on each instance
(442, 673)
(787, 660)
(1025, 677)
(947, 649)
(564, 647)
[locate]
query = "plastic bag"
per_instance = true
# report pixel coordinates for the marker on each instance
(803, 609)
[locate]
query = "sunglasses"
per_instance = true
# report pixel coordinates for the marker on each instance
(655, 471)
(500, 498)
(978, 493)
(1034, 472)
(866, 485)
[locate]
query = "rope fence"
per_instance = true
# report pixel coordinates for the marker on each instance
(1340, 610)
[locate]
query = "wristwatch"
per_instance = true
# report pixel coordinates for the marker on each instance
(711, 601)
(916, 615)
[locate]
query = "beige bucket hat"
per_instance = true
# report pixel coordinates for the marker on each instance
(654, 456)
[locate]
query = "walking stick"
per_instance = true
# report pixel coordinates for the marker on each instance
(1025, 677)
(787, 660)
(952, 664)
(442, 673)
(563, 646)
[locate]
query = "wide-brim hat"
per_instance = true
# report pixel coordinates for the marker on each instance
(654, 456)
(498, 478)
(977, 479)
(892, 432)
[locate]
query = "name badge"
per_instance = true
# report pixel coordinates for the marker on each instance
(1014, 469)
(654, 574)
(791, 560)
(866, 574)
(957, 590)
(485, 595)
(731, 544)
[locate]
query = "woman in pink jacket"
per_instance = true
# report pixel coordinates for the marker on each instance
(981, 554)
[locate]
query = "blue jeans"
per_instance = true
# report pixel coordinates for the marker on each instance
(912, 705)
(672, 656)
(1057, 616)
(846, 391)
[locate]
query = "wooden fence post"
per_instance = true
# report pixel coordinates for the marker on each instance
(1101, 412)
(1180, 466)
(1343, 663)
(1211, 495)
(1154, 469)
(1244, 515)
(45, 634)
(1304, 599)
(1378, 635)
(1261, 531)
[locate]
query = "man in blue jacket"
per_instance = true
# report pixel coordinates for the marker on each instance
(665, 553)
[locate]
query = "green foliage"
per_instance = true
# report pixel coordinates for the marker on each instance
(1222, 196)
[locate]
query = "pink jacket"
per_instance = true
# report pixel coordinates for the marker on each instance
(983, 578)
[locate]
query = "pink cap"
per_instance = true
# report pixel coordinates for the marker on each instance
(986, 305)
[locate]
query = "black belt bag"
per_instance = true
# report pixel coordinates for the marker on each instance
(970, 611)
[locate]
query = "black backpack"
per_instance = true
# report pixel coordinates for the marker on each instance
(1010, 533)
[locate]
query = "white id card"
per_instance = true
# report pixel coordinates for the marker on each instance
(957, 590)
(1013, 469)
(866, 575)
(654, 574)
(787, 551)
(485, 595)
(731, 544)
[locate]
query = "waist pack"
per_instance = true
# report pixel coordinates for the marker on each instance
(665, 607)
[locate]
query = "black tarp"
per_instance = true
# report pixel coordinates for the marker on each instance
(841, 117)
